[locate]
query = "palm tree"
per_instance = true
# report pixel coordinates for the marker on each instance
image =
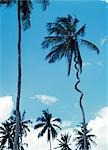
(80, 138)
(24, 129)
(7, 131)
(6, 136)
(24, 8)
(64, 142)
(48, 125)
(64, 39)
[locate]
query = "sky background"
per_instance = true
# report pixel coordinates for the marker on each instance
(47, 85)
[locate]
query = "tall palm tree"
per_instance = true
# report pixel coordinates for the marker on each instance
(64, 142)
(48, 124)
(7, 131)
(24, 8)
(64, 40)
(79, 139)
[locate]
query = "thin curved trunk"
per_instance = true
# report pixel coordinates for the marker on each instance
(80, 102)
(16, 138)
(50, 144)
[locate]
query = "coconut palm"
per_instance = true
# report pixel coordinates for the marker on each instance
(24, 8)
(79, 139)
(48, 124)
(7, 131)
(64, 142)
(64, 40)
(6, 136)
(24, 129)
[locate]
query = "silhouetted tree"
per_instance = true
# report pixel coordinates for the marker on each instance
(48, 124)
(6, 136)
(79, 139)
(7, 132)
(64, 142)
(64, 39)
(24, 8)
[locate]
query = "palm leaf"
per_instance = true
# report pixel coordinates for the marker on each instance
(26, 7)
(44, 3)
(81, 31)
(90, 45)
(8, 3)
(38, 125)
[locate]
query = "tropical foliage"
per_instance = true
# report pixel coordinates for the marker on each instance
(64, 40)
(7, 132)
(64, 142)
(48, 124)
(79, 139)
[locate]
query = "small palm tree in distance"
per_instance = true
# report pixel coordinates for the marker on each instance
(48, 124)
(64, 142)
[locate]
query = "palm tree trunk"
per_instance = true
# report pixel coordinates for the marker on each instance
(16, 138)
(80, 102)
(50, 144)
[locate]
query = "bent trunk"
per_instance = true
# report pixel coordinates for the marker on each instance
(80, 102)
(16, 138)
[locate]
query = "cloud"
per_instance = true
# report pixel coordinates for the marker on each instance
(66, 123)
(88, 64)
(100, 129)
(45, 99)
(6, 106)
(99, 126)
(85, 64)
(104, 39)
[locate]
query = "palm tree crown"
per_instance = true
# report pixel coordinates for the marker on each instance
(64, 142)
(7, 131)
(64, 40)
(79, 138)
(48, 124)
(6, 136)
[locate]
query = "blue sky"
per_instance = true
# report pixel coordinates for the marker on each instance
(39, 77)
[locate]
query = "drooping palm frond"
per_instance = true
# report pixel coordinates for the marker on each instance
(44, 3)
(90, 45)
(25, 7)
(8, 3)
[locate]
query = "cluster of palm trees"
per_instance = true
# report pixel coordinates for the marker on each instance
(48, 125)
(64, 40)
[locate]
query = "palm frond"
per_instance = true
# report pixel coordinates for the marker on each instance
(57, 126)
(44, 3)
(90, 45)
(81, 31)
(26, 7)
(41, 133)
(8, 3)
(39, 125)
(51, 41)
(57, 120)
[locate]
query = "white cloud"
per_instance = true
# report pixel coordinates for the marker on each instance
(85, 64)
(6, 106)
(104, 40)
(99, 126)
(66, 123)
(88, 64)
(100, 129)
(45, 99)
